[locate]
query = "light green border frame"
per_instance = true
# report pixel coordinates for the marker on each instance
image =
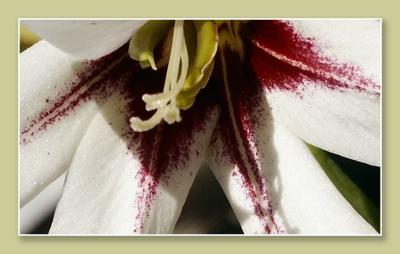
(12, 10)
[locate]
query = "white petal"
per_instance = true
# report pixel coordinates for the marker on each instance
(355, 42)
(310, 203)
(344, 123)
(301, 197)
(46, 74)
(324, 85)
(87, 39)
(121, 183)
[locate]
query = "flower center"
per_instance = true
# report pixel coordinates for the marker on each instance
(165, 102)
(191, 61)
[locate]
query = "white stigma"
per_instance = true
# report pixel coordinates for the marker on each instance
(165, 103)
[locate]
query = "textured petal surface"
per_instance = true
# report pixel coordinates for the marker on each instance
(322, 80)
(234, 146)
(309, 202)
(46, 75)
(87, 39)
(302, 198)
(125, 182)
(59, 95)
(273, 182)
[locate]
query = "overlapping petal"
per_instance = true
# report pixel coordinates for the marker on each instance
(316, 86)
(322, 81)
(125, 182)
(86, 39)
(301, 198)
(47, 82)
(273, 182)
(59, 95)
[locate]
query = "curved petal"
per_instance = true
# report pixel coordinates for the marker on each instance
(45, 74)
(125, 182)
(86, 39)
(322, 80)
(272, 181)
(57, 102)
(303, 199)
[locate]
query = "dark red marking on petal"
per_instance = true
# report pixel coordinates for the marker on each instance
(285, 60)
(241, 116)
(160, 151)
(165, 148)
(93, 82)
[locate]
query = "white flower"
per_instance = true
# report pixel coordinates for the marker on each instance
(312, 80)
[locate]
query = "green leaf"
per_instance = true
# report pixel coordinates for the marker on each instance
(350, 191)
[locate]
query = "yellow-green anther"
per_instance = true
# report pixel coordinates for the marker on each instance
(202, 64)
(145, 40)
(185, 99)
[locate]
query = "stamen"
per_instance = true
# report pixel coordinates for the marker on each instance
(165, 102)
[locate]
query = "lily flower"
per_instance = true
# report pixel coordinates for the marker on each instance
(132, 109)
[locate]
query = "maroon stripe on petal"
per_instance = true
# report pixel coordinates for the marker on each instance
(160, 151)
(283, 59)
(243, 117)
(97, 80)
(166, 148)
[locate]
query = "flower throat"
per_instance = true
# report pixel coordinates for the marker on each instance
(192, 46)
